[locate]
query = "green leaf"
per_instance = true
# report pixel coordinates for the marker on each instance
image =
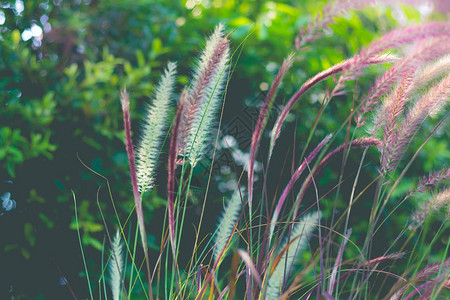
(29, 235)
(16, 155)
(140, 58)
(34, 197)
(11, 247)
(48, 223)
(91, 226)
(25, 253)
(90, 241)
(10, 169)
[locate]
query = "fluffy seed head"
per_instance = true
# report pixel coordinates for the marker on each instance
(227, 222)
(431, 103)
(300, 232)
(204, 95)
(153, 129)
(116, 266)
(438, 202)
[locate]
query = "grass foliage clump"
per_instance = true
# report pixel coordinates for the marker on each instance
(284, 239)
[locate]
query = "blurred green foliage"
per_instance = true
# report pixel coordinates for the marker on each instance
(59, 98)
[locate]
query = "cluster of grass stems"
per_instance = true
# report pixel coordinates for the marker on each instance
(255, 250)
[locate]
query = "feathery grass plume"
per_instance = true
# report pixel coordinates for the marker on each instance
(358, 143)
(292, 181)
(424, 274)
(428, 182)
(204, 95)
(394, 110)
(125, 102)
(336, 69)
(400, 97)
(153, 130)
(366, 57)
(395, 38)
(427, 289)
(116, 266)
(398, 37)
(392, 256)
(262, 121)
(423, 52)
(331, 11)
(290, 248)
(441, 200)
(227, 223)
(433, 269)
(431, 103)
(432, 71)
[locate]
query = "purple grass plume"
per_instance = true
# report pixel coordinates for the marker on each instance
(203, 97)
(430, 181)
(125, 101)
(431, 103)
(425, 276)
(438, 202)
(423, 52)
(351, 67)
(335, 9)
(336, 69)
